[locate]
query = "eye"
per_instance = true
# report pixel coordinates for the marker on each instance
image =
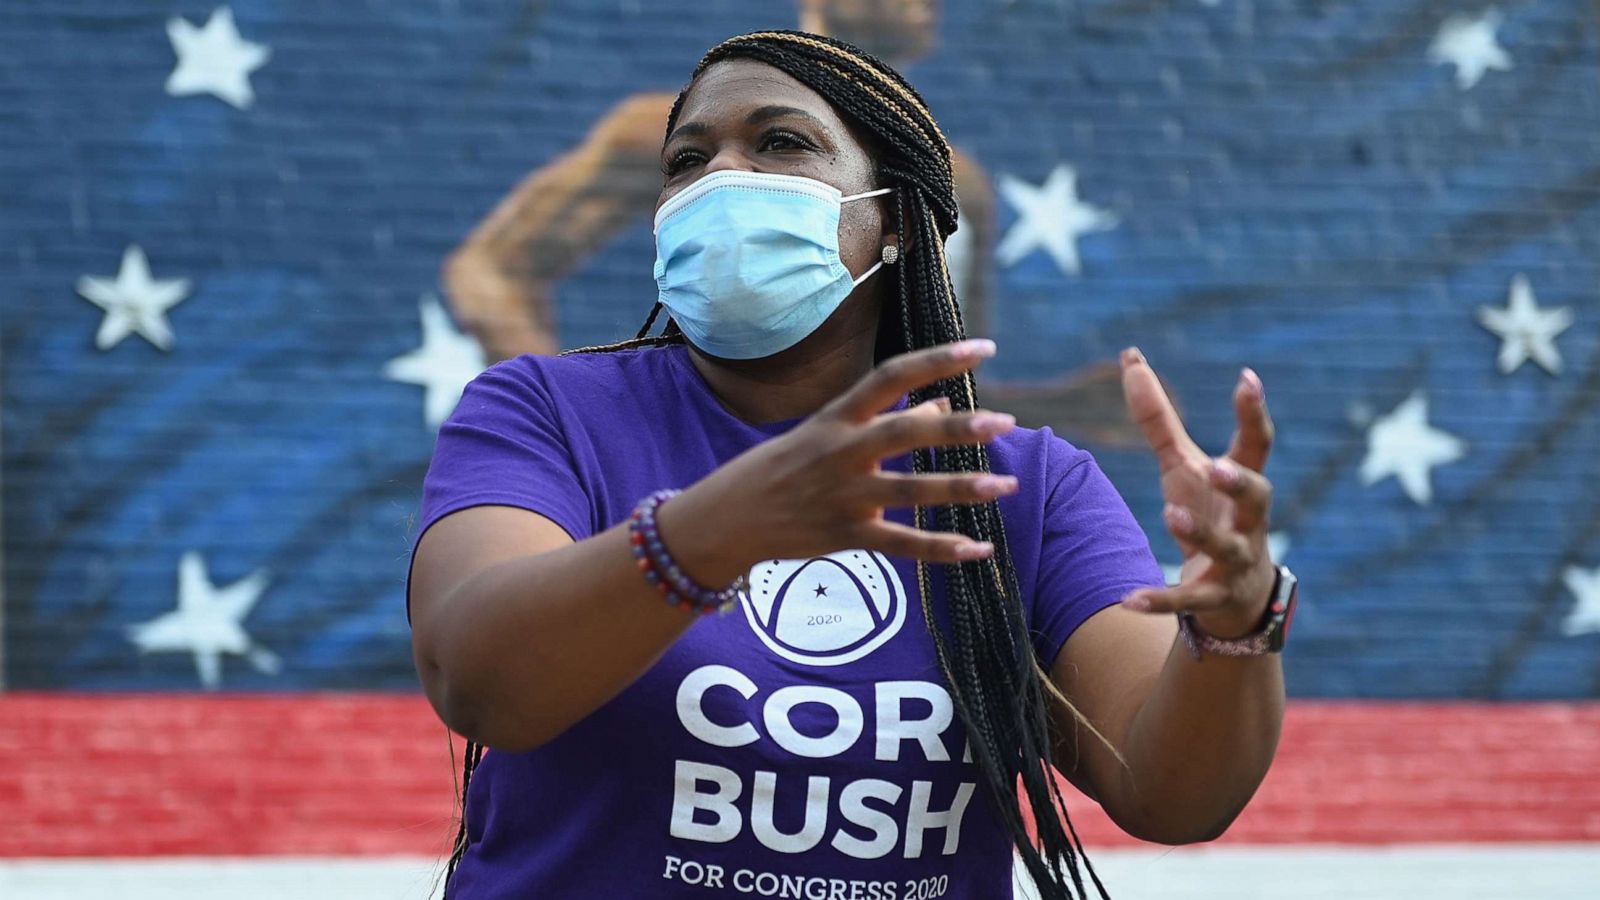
(680, 161)
(779, 140)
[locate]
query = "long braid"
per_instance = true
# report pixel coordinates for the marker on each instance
(983, 646)
(470, 757)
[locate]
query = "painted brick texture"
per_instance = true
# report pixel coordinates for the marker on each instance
(371, 775)
(1297, 187)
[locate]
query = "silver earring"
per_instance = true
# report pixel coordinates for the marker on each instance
(891, 254)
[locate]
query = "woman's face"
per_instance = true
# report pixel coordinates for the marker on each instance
(746, 115)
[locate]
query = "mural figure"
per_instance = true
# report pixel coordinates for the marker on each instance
(501, 281)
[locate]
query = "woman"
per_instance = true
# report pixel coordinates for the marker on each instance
(924, 598)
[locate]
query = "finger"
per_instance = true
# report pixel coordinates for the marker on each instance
(899, 375)
(1226, 546)
(892, 434)
(1252, 442)
(934, 489)
(1194, 596)
(938, 406)
(1152, 410)
(913, 543)
(1250, 490)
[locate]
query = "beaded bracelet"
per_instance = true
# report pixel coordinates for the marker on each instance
(662, 571)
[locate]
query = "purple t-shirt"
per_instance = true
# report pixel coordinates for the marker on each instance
(803, 746)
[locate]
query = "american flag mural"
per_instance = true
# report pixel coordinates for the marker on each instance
(240, 242)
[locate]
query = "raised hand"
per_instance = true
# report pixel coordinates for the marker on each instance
(1216, 508)
(820, 488)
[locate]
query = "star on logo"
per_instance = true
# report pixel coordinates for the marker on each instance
(443, 365)
(1526, 331)
(821, 591)
(207, 622)
(1404, 445)
(1585, 615)
(1050, 217)
(214, 59)
(134, 302)
(1471, 46)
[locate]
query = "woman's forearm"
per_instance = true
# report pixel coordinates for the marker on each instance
(524, 649)
(1201, 744)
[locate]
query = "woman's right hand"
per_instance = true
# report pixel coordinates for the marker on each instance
(819, 488)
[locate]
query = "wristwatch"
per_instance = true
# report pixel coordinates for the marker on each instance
(1266, 639)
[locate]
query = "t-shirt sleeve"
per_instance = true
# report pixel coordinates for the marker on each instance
(1092, 554)
(504, 445)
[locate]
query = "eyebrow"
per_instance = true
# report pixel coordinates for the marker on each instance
(756, 117)
(767, 113)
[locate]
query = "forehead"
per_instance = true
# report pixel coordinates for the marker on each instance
(729, 90)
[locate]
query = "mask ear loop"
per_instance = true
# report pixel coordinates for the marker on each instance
(889, 256)
(862, 196)
(867, 274)
(879, 264)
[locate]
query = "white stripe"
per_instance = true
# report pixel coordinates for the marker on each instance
(1400, 872)
(203, 878)
(1405, 872)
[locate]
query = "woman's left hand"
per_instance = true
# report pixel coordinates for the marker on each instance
(1215, 508)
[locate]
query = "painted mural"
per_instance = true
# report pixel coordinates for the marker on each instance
(254, 251)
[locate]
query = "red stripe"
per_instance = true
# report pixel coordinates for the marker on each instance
(151, 775)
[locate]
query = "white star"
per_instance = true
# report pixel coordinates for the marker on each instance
(1526, 331)
(1470, 45)
(214, 59)
(1404, 445)
(207, 622)
(133, 301)
(1585, 615)
(1277, 547)
(443, 365)
(1050, 217)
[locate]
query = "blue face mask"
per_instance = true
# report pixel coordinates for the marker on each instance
(748, 263)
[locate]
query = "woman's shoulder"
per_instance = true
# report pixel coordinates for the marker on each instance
(581, 372)
(1035, 452)
(574, 387)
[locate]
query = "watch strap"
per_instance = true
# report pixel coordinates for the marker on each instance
(1268, 638)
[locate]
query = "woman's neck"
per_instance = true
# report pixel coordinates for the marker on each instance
(800, 380)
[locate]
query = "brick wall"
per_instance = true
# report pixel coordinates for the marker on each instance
(364, 775)
(1305, 188)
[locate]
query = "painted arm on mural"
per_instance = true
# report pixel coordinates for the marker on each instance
(501, 281)
(1196, 737)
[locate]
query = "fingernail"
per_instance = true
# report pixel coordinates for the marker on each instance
(1226, 472)
(1178, 519)
(1137, 603)
(974, 550)
(1132, 357)
(992, 422)
(979, 348)
(995, 485)
(943, 403)
(1252, 383)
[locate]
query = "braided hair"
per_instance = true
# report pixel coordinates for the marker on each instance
(982, 640)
